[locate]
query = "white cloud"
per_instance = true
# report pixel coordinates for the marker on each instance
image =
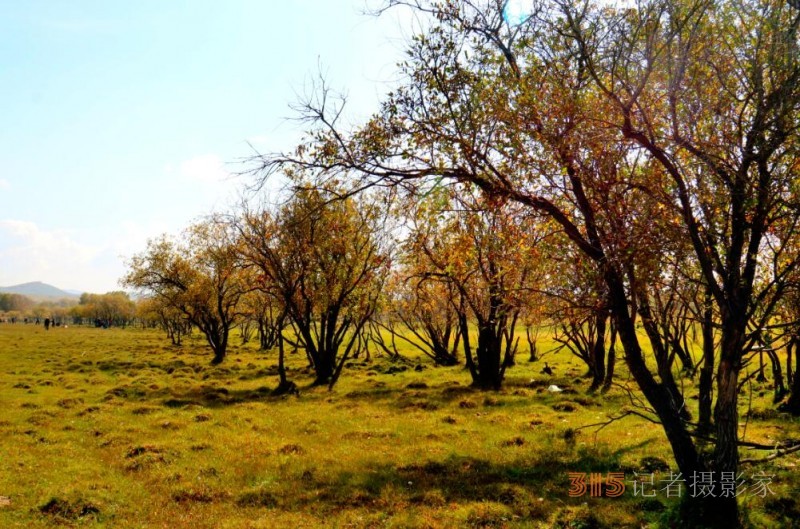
(29, 253)
(133, 236)
(5, 184)
(207, 168)
(205, 185)
(260, 141)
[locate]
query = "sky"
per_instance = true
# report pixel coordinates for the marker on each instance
(125, 120)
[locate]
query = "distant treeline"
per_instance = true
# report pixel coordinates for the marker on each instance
(106, 310)
(18, 302)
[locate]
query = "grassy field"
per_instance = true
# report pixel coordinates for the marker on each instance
(115, 428)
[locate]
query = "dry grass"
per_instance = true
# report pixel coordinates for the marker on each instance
(113, 428)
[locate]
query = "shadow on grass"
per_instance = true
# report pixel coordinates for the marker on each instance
(415, 392)
(529, 489)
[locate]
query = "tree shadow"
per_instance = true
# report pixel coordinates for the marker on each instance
(530, 488)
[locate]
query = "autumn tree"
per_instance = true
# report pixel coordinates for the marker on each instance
(597, 116)
(112, 308)
(197, 276)
(711, 93)
(484, 249)
(789, 325)
(420, 312)
(325, 261)
(155, 312)
(15, 302)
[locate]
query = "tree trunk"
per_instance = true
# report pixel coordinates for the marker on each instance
(219, 344)
(469, 360)
(599, 352)
(683, 354)
(488, 353)
(323, 368)
(683, 448)
(793, 404)
(777, 376)
(707, 372)
(761, 377)
(281, 365)
(612, 360)
(663, 361)
(532, 348)
(726, 419)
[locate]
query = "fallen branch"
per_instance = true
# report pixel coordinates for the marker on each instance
(778, 453)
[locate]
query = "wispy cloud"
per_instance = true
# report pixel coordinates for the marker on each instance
(207, 168)
(5, 184)
(29, 253)
(133, 236)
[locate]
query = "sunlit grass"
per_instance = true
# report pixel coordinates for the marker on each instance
(115, 428)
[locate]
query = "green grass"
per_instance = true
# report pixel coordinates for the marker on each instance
(115, 428)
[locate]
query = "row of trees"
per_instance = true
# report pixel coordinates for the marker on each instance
(661, 140)
(112, 308)
(15, 302)
(453, 276)
(628, 174)
(315, 264)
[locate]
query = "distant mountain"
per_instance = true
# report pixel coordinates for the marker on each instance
(39, 290)
(74, 292)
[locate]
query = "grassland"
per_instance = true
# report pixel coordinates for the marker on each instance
(115, 428)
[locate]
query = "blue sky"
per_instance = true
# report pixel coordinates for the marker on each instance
(123, 120)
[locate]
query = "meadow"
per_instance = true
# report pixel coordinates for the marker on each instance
(116, 428)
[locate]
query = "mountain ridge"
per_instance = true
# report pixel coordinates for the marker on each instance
(39, 290)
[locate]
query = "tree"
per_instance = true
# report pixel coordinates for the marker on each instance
(604, 119)
(484, 249)
(154, 311)
(578, 304)
(325, 262)
(424, 310)
(715, 105)
(197, 276)
(15, 302)
(112, 308)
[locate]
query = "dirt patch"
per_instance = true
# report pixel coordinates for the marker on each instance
(565, 406)
(420, 405)
(763, 414)
(291, 449)
(69, 403)
(136, 451)
(178, 403)
(430, 498)
(653, 464)
(87, 411)
(257, 498)
(68, 510)
(197, 496)
(144, 410)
